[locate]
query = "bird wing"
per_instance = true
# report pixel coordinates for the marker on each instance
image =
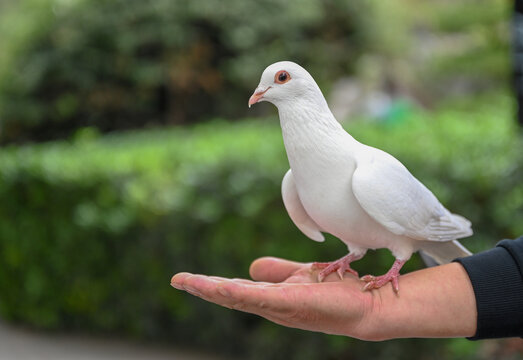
(296, 211)
(389, 193)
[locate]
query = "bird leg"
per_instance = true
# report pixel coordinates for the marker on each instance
(375, 282)
(340, 266)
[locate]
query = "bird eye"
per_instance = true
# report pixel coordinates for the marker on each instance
(281, 77)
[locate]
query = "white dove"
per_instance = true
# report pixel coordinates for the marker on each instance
(360, 194)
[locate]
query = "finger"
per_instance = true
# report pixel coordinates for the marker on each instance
(178, 279)
(207, 290)
(264, 300)
(241, 281)
(273, 269)
(275, 300)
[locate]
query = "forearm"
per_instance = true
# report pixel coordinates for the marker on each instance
(483, 301)
(433, 302)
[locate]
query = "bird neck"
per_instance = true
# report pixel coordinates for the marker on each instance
(312, 132)
(307, 120)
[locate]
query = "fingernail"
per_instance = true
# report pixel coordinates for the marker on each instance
(177, 286)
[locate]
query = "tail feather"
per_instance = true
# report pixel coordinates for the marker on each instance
(444, 252)
(449, 227)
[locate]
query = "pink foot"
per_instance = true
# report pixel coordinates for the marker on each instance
(375, 282)
(341, 266)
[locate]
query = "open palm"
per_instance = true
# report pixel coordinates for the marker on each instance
(289, 294)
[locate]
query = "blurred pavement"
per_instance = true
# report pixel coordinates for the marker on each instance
(22, 344)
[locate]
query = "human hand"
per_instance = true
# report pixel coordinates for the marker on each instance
(434, 302)
(288, 293)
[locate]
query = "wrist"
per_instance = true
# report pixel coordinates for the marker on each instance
(374, 322)
(382, 321)
(433, 302)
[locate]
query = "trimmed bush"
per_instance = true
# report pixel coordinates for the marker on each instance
(125, 64)
(121, 64)
(92, 230)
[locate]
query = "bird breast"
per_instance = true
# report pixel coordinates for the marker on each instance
(322, 168)
(322, 161)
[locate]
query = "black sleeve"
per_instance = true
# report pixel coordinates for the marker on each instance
(497, 278)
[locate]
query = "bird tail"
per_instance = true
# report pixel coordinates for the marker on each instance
(434, 253)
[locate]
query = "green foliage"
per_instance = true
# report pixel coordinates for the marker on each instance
(120, 64)
(436, 50)
(91, 230)
(126, 63)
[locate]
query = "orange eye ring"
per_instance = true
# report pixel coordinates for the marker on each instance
(282, 77)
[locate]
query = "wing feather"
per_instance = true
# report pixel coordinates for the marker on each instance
(296, 211)
(389, 193)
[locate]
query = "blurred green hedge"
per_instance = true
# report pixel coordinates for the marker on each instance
(126, 63)
(92, 230)
(120, 64)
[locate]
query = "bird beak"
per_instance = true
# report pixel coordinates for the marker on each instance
(257, 96)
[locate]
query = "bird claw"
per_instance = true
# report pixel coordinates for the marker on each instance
(368, 286)
(340, 266)
(375, 282)
(396, 285)
(340, 272)
(367, 278)
(321, 277)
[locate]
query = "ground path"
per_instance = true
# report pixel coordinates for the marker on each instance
(21, 344)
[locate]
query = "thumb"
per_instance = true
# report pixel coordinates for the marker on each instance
(273, 269)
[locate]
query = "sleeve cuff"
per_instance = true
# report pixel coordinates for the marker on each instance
(498, 288)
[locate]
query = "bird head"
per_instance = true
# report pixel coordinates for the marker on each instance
(285, 82)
